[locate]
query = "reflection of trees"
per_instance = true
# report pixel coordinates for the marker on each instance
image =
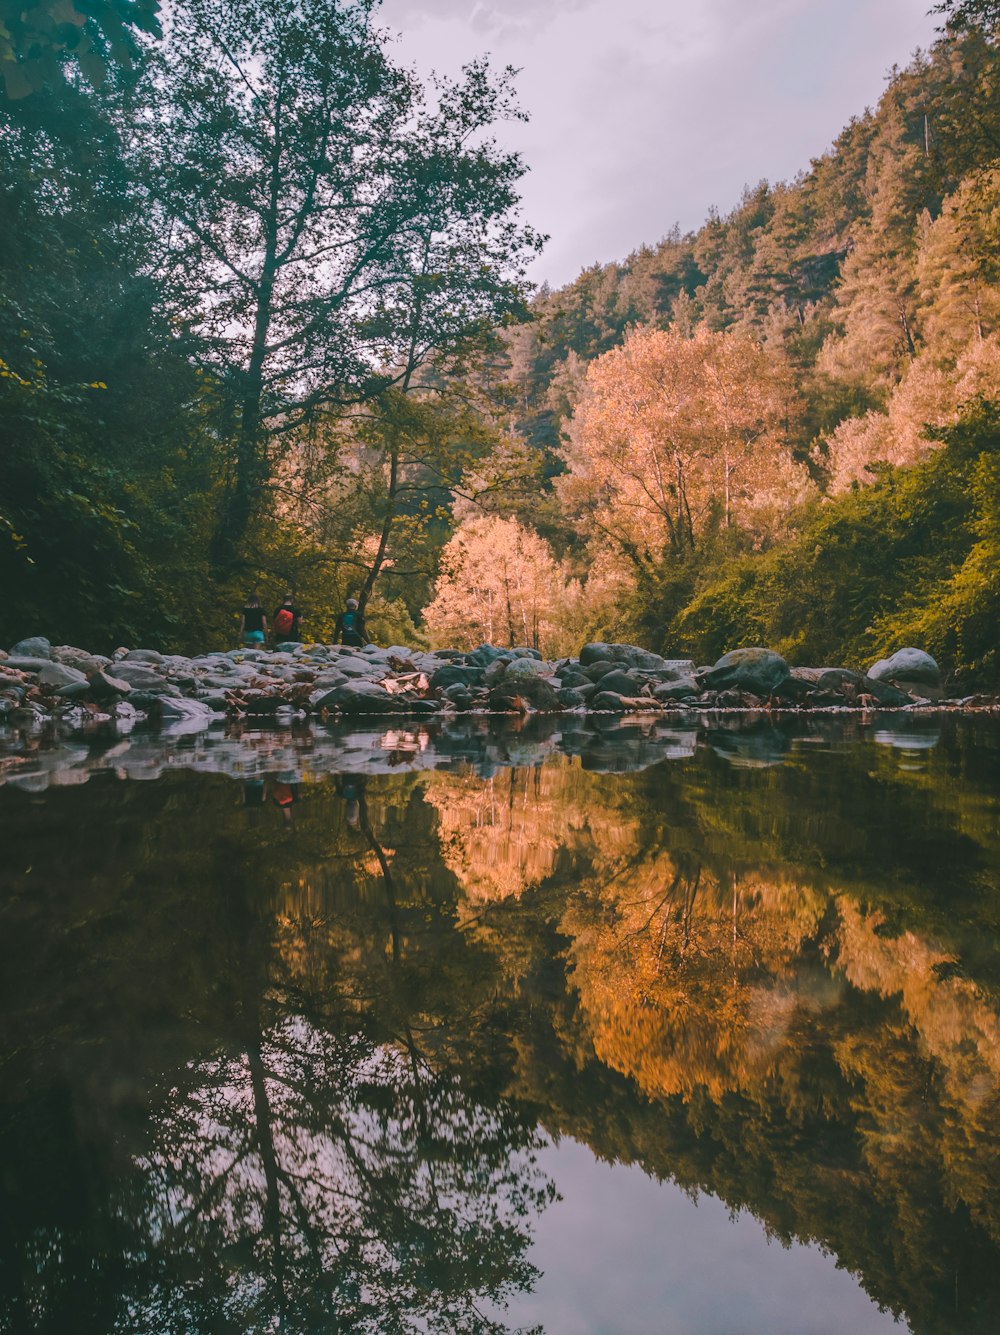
(316, 1181)
(685, 981)
(778, 986)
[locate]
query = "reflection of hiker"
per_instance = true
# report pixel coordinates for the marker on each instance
(284, 794)
(352, 789)
(350, 626)
(253, 626)
(285, 622)
(253, 792)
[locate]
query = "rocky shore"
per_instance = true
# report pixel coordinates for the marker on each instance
(41, 683)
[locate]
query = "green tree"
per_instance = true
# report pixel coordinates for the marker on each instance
(335, 227)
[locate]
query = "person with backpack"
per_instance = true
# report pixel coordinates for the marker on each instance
(253, 625)
(285, 621)
(349, 627)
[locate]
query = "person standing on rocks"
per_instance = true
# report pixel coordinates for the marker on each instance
(285, 622)
(253, 626)
(349, 627)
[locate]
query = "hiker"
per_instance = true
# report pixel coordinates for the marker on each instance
(349, 627)
(285, 622)
(253, 626)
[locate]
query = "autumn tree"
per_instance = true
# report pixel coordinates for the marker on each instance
(334, 227)
(499, 583)
(671, 430)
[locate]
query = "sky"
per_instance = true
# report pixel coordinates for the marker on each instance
(647, 113)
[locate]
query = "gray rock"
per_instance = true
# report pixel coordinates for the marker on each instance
(359, 667)
(106, 687)
(522, 668)
(454, 674)
(683, 688)
(143, 678)
(532, 691)
(458, 695)
(759, 671)
(23, 664)
(601, 668)
(79, 658)
(143, 656)
(627, 655)
(910, 665)
(58, 676)
(361, 697)
(571, 698)
(885, 693)
(571, 676)
(487, 654)
(608, 702)
(495, 671)
(35, 646)
(621, 683)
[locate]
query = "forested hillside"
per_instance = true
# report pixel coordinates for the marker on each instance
(263, 320)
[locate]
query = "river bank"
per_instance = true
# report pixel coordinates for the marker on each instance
(44, 684)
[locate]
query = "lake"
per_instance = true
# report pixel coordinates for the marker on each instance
(580, 1025)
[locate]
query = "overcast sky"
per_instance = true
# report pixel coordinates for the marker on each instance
(648, 112)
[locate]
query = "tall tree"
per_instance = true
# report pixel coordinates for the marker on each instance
(670, 429)
(335, 226)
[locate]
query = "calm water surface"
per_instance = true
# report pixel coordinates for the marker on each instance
(587, 1028)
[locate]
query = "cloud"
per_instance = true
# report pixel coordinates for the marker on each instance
(496, 18)
(647, 112)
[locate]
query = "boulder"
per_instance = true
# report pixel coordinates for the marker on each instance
(759, 671)
(521, 669)
(23, 664)
(627, 655)
(531, 692)
(458, 695)
(36, 646)
(596, 670)
(571, 698)
(571, 676)
(608, 702)
(361, 697)
(682, 688)
(142, 678)
(79, 658)
(143, 656)
(454, 674)
(621, 683)
(58, 677)
(885, 693)
(907, 665)
(356, 666)
(487, 654)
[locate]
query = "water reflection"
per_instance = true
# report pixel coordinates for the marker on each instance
(290, 1064)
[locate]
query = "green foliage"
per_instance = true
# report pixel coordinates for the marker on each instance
(910, 559)
(38, 38)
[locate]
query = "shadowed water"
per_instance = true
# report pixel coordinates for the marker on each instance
(463, 1026)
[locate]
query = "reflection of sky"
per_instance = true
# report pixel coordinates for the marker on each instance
(625, 1255)
(647, 112)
